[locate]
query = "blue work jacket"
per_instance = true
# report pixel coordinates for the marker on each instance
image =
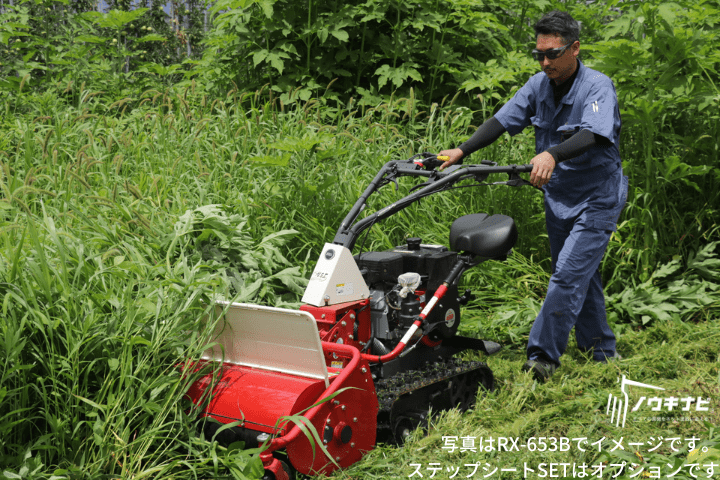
(585, 187)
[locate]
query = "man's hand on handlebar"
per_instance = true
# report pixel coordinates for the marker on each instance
(543, 166)
(454, 155)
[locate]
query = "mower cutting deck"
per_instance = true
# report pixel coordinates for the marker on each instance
(275, 366)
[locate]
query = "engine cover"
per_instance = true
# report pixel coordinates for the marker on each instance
(381, 271)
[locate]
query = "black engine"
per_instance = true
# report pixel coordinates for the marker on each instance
(392, 314)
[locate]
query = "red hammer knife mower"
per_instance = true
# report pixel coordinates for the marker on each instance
(371, 350)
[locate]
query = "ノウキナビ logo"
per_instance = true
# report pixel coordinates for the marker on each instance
(617, 407)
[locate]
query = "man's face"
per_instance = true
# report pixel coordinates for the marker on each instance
(562, 67)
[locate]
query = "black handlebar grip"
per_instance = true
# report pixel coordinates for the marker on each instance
(432, 163)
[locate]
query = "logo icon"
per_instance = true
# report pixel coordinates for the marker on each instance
(617, 407)
(450, 318)
(620, 405)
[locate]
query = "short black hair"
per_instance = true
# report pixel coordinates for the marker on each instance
(558, 23)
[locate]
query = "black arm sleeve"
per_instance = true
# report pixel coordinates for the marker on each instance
(576, 145)
(486, 134)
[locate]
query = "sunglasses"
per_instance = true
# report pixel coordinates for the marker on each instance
(551, 54)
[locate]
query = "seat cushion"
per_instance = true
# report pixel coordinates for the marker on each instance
(483, 235)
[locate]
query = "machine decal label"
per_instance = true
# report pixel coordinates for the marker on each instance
(320, 276)
(450, 318)
(344, 289)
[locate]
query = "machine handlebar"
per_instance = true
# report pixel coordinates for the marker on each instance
(430, 162)
(421, 165)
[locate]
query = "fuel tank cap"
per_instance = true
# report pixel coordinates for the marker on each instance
(413, 243)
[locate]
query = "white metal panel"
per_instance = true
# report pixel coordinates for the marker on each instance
(336, 279)
(275, 339)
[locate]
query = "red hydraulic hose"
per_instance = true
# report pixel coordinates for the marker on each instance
(439, 293)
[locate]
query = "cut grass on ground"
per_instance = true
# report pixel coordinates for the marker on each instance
(680, 357)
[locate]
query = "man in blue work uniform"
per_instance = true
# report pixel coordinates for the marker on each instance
(575, 113)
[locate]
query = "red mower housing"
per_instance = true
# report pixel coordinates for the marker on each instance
(276, 369)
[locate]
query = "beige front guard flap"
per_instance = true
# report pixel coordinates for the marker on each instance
(276, 339)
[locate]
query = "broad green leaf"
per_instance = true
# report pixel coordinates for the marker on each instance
(323, 34)
(248, 292)
(267, 7)
(259, 56)
(666, 270)
(618, 27)
(397, 76)
(276, 60)
(341, 35)
(667, 13)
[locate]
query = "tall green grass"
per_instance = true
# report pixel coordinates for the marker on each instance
(121, 220)
(169, 151)
(91, 352)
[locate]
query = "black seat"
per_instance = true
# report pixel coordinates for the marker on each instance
(483, 235)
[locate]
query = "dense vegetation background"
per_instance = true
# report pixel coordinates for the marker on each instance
(149, 163)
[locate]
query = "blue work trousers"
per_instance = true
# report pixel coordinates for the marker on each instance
(575, 293)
